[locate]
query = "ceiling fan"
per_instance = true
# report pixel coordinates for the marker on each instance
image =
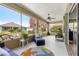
(49, 17)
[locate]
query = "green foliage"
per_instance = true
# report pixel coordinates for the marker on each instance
(1, 33)
(18, 30)
(56, 29)
(11, 30)
(24, 35)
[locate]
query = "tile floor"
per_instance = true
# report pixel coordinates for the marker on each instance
(57, 47)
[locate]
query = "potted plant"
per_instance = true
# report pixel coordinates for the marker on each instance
(59, 33)
(24, 35)
(57, 30)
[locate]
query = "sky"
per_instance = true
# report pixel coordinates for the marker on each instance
(7, 15)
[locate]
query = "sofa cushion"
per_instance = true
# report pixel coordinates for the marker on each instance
(10, 51)
(3, 52)
(6, 49)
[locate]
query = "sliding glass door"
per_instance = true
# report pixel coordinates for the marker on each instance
(73, 31)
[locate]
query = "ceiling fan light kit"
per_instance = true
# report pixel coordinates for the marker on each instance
(50, 18)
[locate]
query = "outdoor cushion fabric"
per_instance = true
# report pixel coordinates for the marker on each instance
(38, 40)
(3, 52)
(11, 53)
(37, 51)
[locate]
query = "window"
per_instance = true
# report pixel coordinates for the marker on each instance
(25, 20)
(7, 15)
(13, 18)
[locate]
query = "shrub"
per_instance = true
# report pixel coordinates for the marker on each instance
(24, 35)
(11, 30)
(56, 29)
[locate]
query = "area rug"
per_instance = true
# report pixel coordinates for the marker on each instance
(37, 51)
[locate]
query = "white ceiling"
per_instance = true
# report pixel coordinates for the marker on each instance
(57, 10)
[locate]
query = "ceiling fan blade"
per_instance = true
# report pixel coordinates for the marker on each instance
(50, 17)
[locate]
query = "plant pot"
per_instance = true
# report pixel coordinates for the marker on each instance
(27, 41)
(59, 38)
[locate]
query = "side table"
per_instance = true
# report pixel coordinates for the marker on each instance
(22, 42)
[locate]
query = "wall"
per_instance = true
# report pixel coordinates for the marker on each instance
(43, 27)
(38, 25)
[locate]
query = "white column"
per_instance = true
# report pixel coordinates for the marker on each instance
(66, 28)
(21, 20)
(77, 29)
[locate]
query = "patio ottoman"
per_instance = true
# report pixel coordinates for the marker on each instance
(38, 40)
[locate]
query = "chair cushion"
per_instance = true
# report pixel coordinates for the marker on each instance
(10, 51)
(3, 52)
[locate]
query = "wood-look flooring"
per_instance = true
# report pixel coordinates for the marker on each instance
(72, 49)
